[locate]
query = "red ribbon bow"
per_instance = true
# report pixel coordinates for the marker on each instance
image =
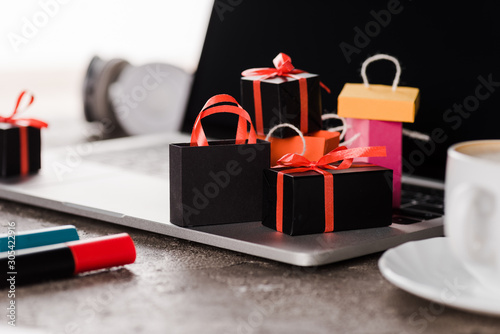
(283, 68)
(303, 164)
(23, 121)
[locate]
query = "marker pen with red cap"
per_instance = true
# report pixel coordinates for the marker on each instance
(66, 259)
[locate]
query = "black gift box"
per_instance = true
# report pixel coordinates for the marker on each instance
(217, 184)
(281, 102)
(10, 149)
(362, 199)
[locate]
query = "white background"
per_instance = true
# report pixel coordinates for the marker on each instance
(51, 59)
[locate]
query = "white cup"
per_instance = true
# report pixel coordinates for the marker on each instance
(472, 204)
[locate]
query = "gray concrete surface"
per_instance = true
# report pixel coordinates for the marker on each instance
(177, 286)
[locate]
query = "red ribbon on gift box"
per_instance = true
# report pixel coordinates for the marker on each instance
(23, 123)
(302, 164)
(283, 68)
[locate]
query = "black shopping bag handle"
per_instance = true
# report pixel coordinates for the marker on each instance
(198, 137)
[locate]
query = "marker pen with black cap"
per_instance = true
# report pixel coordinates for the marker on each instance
(67, 259)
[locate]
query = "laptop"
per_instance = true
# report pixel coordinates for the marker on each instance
(449, 53)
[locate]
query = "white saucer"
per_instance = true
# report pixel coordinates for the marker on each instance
(428, 269)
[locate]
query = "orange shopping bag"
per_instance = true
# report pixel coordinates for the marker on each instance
(379, 102)
(317, 144)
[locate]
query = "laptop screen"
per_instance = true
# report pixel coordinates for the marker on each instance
(451, 53)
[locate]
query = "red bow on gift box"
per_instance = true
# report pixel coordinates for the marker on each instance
(23, 123)
(303, 164)
(283, 68)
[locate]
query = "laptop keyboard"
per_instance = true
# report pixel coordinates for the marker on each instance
(417, 203)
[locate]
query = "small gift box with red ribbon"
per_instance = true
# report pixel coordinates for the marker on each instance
(282, 94)
(218, 182)
(20, 142)
(306, 197)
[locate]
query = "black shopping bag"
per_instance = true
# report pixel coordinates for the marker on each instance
(218, 182)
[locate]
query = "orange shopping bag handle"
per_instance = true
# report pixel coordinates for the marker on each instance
(379, 57)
